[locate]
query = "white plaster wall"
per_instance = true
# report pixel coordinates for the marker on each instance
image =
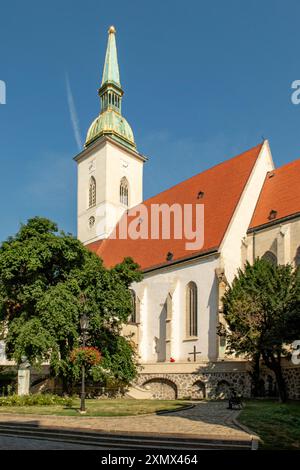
(231, 246)
(155, 288)
(107, 163)
(122, 163)
(92, 164)
(284, 236)
(142, 293)
(294, 238)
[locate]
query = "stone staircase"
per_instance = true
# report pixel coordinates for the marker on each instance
(130, 441)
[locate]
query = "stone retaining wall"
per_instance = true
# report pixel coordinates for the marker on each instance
(216, 384)
(292, 378)
(210, 380)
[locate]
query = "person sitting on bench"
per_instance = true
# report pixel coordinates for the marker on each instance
(234, 400)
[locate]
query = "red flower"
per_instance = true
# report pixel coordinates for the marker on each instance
(172, 359)
(87, 355)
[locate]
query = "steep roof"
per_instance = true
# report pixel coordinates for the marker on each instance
(222, 187)
(279, 197)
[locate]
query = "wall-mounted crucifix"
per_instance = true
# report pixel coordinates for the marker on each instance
(194, 353)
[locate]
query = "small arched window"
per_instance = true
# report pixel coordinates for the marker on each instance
(297, 257)
(92, 192)
(124, 191)
(191, 310)
(270, 257)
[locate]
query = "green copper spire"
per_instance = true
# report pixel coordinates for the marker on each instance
(111, 67)
(110, 121)
(111, 91)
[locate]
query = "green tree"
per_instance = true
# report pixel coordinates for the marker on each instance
(262, 310)
(43, 275)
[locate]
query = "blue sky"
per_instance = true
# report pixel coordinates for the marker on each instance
(203, 80)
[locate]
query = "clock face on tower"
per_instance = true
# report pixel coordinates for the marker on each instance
(91, 221)
(92, 166)
(124, 164)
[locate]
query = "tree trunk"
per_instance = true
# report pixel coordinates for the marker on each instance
(65, 385)
(280, 383)
(255, 373)
(274, 364)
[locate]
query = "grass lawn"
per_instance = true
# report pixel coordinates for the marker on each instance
(278, 425)
(100, 408)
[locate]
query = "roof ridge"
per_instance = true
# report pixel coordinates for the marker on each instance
(279, 193)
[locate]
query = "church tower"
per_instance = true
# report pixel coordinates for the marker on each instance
(110, 169)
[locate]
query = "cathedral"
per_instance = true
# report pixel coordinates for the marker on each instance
(248, 208)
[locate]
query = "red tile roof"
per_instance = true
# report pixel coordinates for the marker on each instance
(280, 194)
(94, 246)
(222, 186)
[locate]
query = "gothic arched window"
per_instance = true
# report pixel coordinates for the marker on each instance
(135, 316)
(92, 192)
(191, 310)
(297, 257)
(124, 191)
(270, 257)
(133, 300)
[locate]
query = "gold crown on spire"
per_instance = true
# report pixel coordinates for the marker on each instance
(112, 30)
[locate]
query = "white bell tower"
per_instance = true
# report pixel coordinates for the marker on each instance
(110, 169)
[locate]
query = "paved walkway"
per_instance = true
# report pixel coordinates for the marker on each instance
(210, 419)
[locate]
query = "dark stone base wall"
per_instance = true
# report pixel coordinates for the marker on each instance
(216, 385)
(292, 379)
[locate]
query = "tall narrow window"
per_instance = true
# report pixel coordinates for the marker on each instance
(135, 316)
(270, 257)
(124, 191)
(297, 257)
(92, 192)
(168, 308)
(191, 310)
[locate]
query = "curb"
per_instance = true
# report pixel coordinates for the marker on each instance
(162, 412)
(255, 439)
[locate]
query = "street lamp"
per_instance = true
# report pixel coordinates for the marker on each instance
(84, 325)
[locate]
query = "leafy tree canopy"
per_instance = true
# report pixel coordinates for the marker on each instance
(44, 275)
(262, 310)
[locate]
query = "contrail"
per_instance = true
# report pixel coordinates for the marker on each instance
(73, 114)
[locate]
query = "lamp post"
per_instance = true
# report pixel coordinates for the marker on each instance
(84, 325)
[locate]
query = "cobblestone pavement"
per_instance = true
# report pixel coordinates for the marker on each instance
(205, 419)
(18, 443)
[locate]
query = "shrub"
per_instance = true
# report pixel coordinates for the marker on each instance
(7, 381)
(33, 400)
